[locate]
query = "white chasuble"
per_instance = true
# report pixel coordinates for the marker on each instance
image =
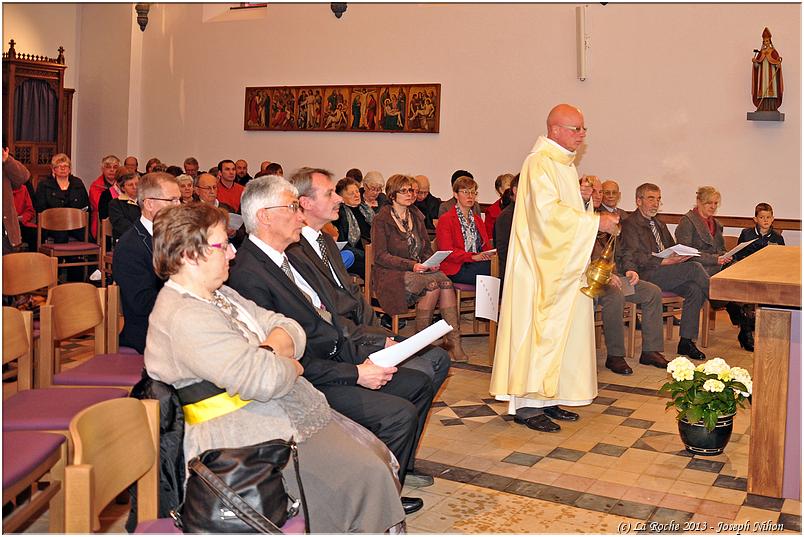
(545, 352)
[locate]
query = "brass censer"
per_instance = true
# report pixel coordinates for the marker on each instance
(600, 271)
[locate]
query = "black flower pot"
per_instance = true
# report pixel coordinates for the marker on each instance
(702, 442)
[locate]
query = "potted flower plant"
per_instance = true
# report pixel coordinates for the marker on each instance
(706, 399)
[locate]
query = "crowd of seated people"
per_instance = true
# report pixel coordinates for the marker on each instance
(289, 330)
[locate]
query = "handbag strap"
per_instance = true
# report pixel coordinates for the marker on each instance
(295, 452)
(233, 500)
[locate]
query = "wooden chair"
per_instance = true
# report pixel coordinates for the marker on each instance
(78, 308)
(41, 410)
(629, 320)
(30, 273)
(495, 270)
(411, 313)
(671, 305)
(68, 219)
(116, 444)
(104, 239)
(33, 473)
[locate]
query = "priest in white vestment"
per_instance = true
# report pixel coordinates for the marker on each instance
(545, 354)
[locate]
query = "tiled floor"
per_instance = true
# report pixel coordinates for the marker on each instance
(620, 469)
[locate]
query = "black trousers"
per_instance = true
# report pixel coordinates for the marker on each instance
(395, 413)
(469, 271)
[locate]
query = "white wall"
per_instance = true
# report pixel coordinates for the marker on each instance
(666, 99)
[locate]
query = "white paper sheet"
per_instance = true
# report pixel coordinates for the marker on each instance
(679, 249)
(340, 244)
(235, 221)
(487, 297)
(396, 354)
(739, 247)
(437, 258)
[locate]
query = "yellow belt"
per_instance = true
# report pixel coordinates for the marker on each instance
(212, 407)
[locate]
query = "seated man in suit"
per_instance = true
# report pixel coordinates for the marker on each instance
(319, 202)
(643, 235)
(645, 294)
(392, 403)
(132, 263)
(611, 199)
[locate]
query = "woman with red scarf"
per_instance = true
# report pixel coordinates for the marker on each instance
(699, 229)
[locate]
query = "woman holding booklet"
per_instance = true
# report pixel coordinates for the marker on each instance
(400, 277)
(700, 229)
(463, 232)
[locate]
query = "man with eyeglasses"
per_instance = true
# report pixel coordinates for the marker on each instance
(132, 263)
(611, 197)
(426, 202)
(643, 235)
(207, 189)
(392, 403)
(545, 353)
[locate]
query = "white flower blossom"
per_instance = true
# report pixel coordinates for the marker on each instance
(742, 376)
(713, 385)
(715, 366)
(681, 369)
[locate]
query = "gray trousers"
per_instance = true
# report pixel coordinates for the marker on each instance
(689, 280)
(649, 297)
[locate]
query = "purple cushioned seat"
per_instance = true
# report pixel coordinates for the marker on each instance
(294, 525)
(159, 525)
(51, 408)
(104, 370)
(71, 246)
(25, 450)
(463, 286)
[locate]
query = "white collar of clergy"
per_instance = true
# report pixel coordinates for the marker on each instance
(555, 151)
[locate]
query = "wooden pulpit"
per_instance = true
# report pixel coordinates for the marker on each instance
(771, 278)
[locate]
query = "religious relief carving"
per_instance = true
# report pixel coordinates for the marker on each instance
(767, 86)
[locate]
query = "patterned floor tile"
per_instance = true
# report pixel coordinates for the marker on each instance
(608, 449)
(705, 465)
(618, 411)
(764, 502)
(523, 459)
(566, 454)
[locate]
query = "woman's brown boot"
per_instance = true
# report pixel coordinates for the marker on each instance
(452, 341)
(424, 318)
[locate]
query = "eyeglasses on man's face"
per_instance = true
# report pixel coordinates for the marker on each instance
(293, 206)
(172, 201)
(373, 188)
(210, 188)
(573, 128)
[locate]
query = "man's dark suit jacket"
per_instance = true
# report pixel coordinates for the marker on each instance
(637, 243)
(133, 271)
(328, 358)
(502, 235)
(429, 208)
(357, 317)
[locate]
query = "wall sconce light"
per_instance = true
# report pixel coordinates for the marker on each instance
(338, 8)
(142, 14)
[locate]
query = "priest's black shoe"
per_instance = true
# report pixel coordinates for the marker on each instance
(654, 358)
(538, 423)
(687, 348)
(411, 505)
(618, 365)
(558, 413)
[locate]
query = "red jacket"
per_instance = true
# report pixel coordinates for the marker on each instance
(24, 206)
(492, 213)
(95, 190)
(450, 237)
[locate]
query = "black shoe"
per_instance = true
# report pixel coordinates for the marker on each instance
(656, 359)
(687, 348)
(411, 505)
(558, 413)
(735, 313)
(617, 364)
(746, 339)
(538, 423)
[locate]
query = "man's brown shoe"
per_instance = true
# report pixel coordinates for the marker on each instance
(656, 359)
(618, 365)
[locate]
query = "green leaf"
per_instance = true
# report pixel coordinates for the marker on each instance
(710, 420)
(694, 414)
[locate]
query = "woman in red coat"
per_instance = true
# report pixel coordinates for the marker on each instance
(463, 232)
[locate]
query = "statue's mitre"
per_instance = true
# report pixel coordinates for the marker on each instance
(766, 33)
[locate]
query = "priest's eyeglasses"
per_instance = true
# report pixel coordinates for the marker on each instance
(573, 128)
(293, 206)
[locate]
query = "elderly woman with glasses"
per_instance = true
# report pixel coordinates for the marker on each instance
(462, 231)
(354, 223)
(373, 183)
(202, 333)
(400, 280)
(700, 229)
(62, 189)
(186, 188)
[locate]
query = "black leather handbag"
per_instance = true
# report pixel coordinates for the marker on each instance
(240, 490)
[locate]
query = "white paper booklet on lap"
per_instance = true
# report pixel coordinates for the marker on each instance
(679, 249)
(396, 354)
(437, 258)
